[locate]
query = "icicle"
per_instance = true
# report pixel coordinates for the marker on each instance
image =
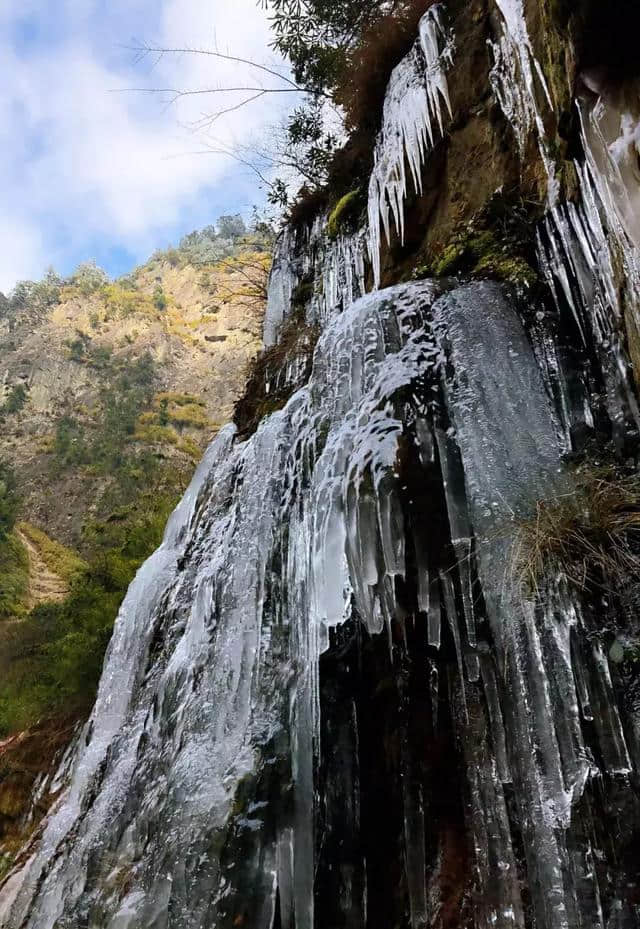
(411, 122)
(463, 552)
(435, 616)
(414, 849)
(282, 281)
(434, 692)
(448, 592)
(518, 82)
(495, 716)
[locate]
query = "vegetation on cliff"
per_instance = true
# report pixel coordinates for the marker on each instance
(112, 390)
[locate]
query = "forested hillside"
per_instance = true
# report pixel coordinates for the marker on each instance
(110, 392)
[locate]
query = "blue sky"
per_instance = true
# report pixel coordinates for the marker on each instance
(87, 171)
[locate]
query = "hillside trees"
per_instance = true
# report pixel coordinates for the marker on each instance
(8, 499)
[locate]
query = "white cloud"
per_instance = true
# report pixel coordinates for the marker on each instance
(82, 164)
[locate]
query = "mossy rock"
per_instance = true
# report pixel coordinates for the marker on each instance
(302, 294)
(345, 211)
(482, 254)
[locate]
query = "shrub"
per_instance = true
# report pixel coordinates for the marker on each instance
(78, 346)
(16, 399)
(167, 397)
(100, 356)
(231, 227)
(89, 278)
(69, 445)
(163, 412)
(14, 577)
(36, 294)
(190, 414)
(154, 434)
(159, 299)
(384, 41)
(9, 499)
(189, 447)
(172, 255)
(125, 300)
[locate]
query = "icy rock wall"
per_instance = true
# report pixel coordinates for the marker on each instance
(195, 798)
(416, 106)
(587, 249)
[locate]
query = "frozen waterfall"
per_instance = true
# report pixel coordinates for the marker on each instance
(329, 700)
(195, 798)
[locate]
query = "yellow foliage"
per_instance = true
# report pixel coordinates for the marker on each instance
(189, 414)
(177, 399)
(189, 447)
(127, 302)
(156, 435)
(57, 557)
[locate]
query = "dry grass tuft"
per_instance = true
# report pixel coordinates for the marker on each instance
(591, 536)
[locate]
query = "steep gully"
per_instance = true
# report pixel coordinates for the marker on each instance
(327, 699)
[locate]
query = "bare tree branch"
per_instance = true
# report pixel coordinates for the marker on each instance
(144, 49)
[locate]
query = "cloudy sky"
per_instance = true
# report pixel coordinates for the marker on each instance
(87, 171)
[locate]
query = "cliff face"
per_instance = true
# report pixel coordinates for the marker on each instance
(383, 670)
(199, 326)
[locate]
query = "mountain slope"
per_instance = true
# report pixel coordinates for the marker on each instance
(110, 392)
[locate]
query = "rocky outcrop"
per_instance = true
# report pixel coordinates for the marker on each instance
(200, 338)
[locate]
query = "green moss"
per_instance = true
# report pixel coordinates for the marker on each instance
(508, 268)
(343, 212)
(451, 261)
(481, 254)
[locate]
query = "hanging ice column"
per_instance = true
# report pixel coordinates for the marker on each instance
(283, 278)
(416, 105)
(520, 85)
(416, 102)
(588, 253)
(582, 244)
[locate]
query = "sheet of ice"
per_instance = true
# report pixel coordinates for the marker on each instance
(193, 796)
(209, 694)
